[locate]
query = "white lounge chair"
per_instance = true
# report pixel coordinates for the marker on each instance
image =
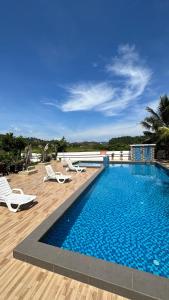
(71, 167)
(51, 175)
(11, 199)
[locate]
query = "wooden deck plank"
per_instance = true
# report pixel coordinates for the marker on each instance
(19, 280)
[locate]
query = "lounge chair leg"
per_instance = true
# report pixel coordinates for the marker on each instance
(61, 181)
(11, 208)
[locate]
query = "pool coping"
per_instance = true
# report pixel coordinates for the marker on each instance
(91, 164)
(119, 279)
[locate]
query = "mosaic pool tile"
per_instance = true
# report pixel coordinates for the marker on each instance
(123, 218)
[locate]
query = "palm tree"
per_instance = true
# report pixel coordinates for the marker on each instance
(164, 133)
(157, 124)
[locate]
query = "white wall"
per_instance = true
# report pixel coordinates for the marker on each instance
(92, 156)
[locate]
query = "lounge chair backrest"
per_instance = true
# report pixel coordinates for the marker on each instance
(70, 163)
(5, 188)
(49, 170)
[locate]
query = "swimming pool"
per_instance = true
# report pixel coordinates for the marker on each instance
(122, 218)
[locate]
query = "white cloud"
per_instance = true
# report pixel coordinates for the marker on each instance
(128, 124)
(108, 97)
(88, 96)
(49, 102)
(137, 77)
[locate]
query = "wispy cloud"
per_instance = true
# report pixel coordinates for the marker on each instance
(129, 125)
(50, 102)
(88, 96)
(136, 76)
(110, 96)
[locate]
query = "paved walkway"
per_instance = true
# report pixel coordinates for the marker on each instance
(19, 280)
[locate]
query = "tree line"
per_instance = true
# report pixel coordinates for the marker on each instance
(156, 130)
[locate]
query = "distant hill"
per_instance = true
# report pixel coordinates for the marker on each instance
(118, 143)
(124, 142)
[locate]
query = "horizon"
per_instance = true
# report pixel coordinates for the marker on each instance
(85, 71)
(75, 142)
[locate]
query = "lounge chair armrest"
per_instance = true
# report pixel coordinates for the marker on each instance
(18, 190)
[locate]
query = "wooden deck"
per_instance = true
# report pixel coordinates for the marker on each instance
(19, 280)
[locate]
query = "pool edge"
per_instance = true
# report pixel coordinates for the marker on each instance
(115, 278)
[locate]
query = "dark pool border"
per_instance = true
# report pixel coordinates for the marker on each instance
(112, 277)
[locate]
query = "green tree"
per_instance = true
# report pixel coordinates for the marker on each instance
(157, 123)
(8, 142)
(164, 133)
(124, 142)
(20, 145)
(62, 145)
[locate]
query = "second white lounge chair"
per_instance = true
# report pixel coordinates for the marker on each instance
(12, 199)
(51, 175)
(76, 168)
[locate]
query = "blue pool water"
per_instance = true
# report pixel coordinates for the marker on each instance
(123, 218)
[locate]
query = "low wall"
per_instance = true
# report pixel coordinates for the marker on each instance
(94, 155)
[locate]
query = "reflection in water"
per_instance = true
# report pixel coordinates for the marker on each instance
(143, 169)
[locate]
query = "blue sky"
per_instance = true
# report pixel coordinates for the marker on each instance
(82, 69)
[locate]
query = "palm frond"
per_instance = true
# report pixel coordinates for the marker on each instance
(164, 109)
(153, 113)
(145, 124)
(148, 133)
(155, 124)
(150, 137)
(163, 133)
